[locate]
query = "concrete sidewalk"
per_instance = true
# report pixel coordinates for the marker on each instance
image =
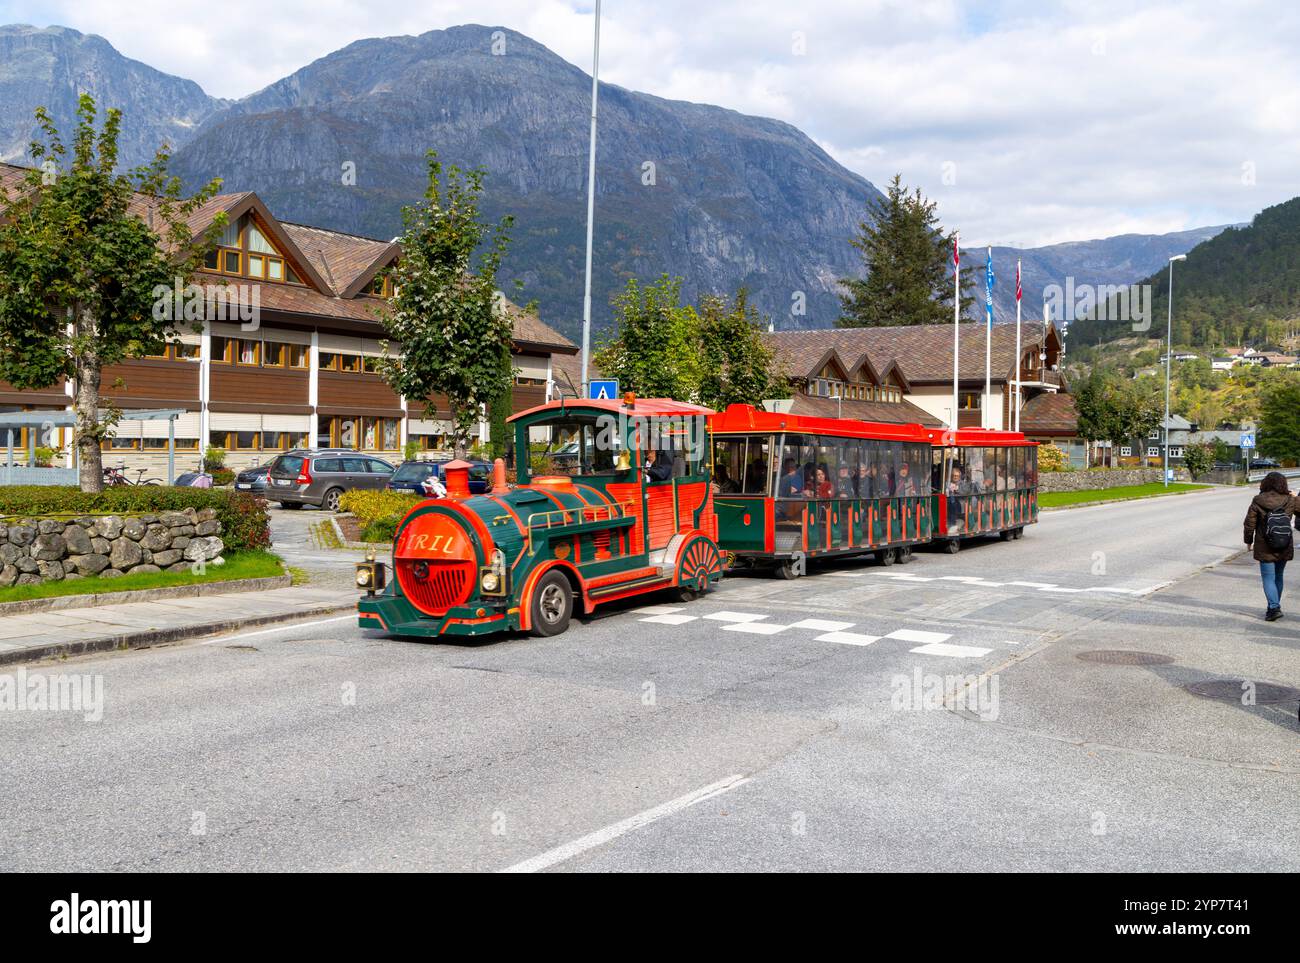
(66, 632)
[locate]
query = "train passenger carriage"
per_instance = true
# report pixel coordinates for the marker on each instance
(984, 482)
(588, 522)
(792, 487)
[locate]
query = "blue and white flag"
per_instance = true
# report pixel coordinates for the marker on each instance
(988, 287)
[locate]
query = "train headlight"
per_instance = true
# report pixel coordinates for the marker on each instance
(492, 578)
(371, 575)
(364, 575)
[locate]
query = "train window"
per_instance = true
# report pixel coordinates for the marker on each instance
(1018, 470)
(825, 469)
(846, 473)
(936, 469)
(797, 454)
(958, 472)
(580, 447)
(990, 468)
(728, 463)
(1031, 467)
(974, 468)
(757, 460)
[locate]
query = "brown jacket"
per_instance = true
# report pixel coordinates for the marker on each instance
(1260, 506)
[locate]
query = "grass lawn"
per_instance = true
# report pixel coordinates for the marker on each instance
(239, 565)
(1124, 492)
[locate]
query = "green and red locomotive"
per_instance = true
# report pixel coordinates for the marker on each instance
(622, 507)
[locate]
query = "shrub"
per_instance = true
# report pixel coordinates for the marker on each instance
(45, 457)
(384, 530)
(223, 476)
(1051, 458)
(213, 458)
(411, 450)
(372, 506)
(243, 517)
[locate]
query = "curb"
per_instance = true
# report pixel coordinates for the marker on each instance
(92, 600)
(150, 637)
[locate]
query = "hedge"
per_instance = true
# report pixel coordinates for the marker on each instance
(243, 517)
(373, 506)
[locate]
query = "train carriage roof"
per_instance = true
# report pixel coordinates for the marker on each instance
(978, 437)
(747, 418)
(640, 408)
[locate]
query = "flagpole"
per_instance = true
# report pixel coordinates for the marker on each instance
(956, 321)
(1016, 398)
(591, 204)
(988, 343)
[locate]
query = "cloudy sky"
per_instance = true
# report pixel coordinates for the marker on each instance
(1029, 122)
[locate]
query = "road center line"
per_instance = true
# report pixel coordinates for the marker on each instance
(279, 628)
(601, 836)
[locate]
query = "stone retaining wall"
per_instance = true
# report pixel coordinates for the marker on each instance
(1082, 480)
(35, 550)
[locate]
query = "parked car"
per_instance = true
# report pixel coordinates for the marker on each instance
(253, 479)
(320, 476)
(411, 475)
(1261, 463)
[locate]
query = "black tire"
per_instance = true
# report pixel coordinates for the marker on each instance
(292, 506)
(331, 500)
(787, 570)
(886, 556)
(552, 605)
(1019, 532)
(905, 555)
(1007, 534)
(952, 546)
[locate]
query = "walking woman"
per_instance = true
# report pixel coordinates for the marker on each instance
(1268, 528)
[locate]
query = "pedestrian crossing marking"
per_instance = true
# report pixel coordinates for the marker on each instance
(734, 617)
(756, 628)
(914, 635)
(822, 624)
(669, 619)
(948, 649)
(659, 609)
(848, 638)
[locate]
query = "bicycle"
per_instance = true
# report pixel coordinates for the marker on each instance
(115, 476)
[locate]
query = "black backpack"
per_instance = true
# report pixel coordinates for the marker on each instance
(1277, 530)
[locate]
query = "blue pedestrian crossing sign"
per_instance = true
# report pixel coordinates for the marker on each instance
(603, 390)
(1247, 439)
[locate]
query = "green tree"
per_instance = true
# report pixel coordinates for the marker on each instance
(80, 273)
(1279, 422)
(737, 365)
(454, 335)
(907, 260)
(1198, 458)
(1112, 409)
(654, 349)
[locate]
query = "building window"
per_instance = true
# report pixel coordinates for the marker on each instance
(369, 364)
(299, 356)
(249, 352)
(273, 354)
(350, 362)
(1153, 451)
(1126, 451)
(381, 286)
(187, 352)
(329, 361)
(1175, 453)
(223, 350)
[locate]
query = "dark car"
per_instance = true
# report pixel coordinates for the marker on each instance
(254, 479)
(320, 476)
(1261, 463)
(410, 476)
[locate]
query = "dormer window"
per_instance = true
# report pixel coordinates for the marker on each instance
(244, 251)
(381, 286)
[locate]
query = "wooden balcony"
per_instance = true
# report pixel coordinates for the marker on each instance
(969, 418)
(1040, 376)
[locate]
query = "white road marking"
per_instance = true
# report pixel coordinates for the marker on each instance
(848, 638)
(1037, 585)
(956, 651)
(659, 609)
(845, 574)
(822, 624)
(755, 628)
(1058, 588)
(960, 578)
(279, 628)
(669, 619)
(735, 616)
(913, 635)
(560, 854)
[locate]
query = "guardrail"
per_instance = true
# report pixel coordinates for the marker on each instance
(1259, 473)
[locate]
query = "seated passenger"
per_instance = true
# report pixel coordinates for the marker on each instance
(657, 467)
(722, 482)
(864, 481)
(906, 483)
(844, 483)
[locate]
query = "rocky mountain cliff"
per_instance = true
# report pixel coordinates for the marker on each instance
(50, 67)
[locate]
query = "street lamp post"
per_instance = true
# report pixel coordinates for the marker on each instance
(1169, 357)
(591, 205)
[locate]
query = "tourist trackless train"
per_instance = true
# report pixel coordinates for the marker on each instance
(640, 495)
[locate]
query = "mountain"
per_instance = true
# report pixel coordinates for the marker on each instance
(717, 197)
(1121, 259)
(52, 66)
(1241, 286)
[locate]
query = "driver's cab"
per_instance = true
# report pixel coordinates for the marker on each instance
(647, 456)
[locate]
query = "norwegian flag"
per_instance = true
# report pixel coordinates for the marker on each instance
(956, 252)
(1017, 280)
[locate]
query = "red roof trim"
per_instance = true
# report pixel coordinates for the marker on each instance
(746, 419)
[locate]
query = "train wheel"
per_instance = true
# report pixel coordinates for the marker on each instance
(905, 555)
(886, 556)
(1006, 534)
(1020, 532)
(552, 605)
(788, 569)
(952, 546)
(698, 565)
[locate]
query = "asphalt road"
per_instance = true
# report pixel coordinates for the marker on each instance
(770, 726)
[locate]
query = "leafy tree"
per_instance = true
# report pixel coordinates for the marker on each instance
(445, 313)
(1198, 458)
(1279, 422)
(1111, 409)
(79, 270)
(907, 259)
(1052, 458)
(737, 365)
(655, 348)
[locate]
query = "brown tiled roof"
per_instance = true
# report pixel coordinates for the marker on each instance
(341, 263)
(899, 413)
(922, 352)
(1049, 413)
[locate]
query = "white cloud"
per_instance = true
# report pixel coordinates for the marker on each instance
(1061, 121)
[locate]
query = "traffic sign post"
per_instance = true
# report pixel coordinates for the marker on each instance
(1247, 443)
(603, 390)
